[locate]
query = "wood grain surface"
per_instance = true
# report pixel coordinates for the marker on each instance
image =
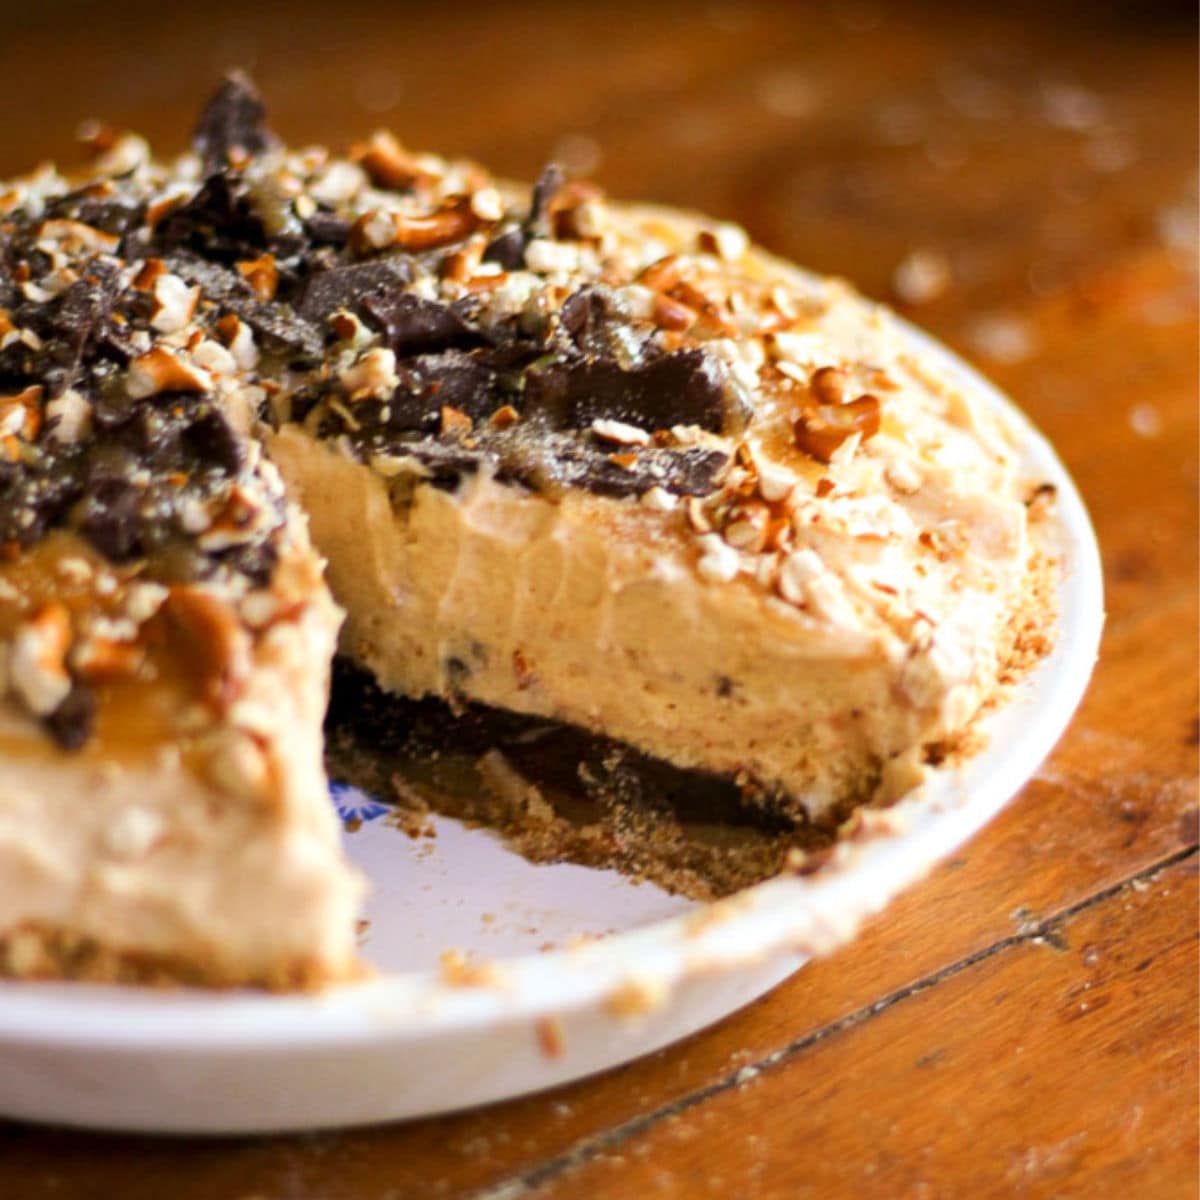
(1021, 180)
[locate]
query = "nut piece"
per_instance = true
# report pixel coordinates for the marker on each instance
(662, 274)
(69, 418)
(697, 517)
(903, 476)
(238, 339)
(75, 237)
(21, 414)
(775, 483)
(546, 257)
(213, 641)
(719, 561)
(726, 241)
(103, 659)
(37, 659)
(388, 164)
(454, 421)
(747, 529)
(487, 204)
(241, 519)
(149, 272)
(828, 385)
(619, 433)
(796, 572)
(374, 374)
(261, 274)
(659, 499)
(237, 764)
(174, 303)
(160, 371)
(143, 600)
(671, 314)
(335, 185)
(504, 417)
(451, 222)
(821, 431)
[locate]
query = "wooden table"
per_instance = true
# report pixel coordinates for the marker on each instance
(1022, 182)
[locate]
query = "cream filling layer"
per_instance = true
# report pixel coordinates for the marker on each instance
(233, 868)
(591, 611)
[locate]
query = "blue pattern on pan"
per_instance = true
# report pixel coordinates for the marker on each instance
(353, 804)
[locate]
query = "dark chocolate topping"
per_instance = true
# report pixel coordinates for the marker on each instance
(412, 325)
(550, 375)
(92, 207)
(548, 185)
(508, 247)
(328, 229)
(554, 463)
(127, 489)
(233, 122)
(347, 285)
(683, 388)
(280, 329)
(82, 317)
(218, 223)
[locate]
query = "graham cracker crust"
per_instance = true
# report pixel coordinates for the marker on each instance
(557, 793)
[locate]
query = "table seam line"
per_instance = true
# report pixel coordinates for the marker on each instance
(1043, 930)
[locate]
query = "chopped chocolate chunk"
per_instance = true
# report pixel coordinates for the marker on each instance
(582, 314)
(31, 501)
(553, 463)
(280, 330)
(328, 229)
(348, 286)
(559, 462)
(508, 247)
(82, 311)
(687, 387)
(218, 222)
(8, 284)
(211, 440)
(447, 462)
(453, 378)
(412, 325)
(232, 124)
(109, 518)
(548, 185)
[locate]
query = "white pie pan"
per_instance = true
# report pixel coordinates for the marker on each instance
(410, 1043)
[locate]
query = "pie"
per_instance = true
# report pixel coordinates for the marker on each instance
(602, 492)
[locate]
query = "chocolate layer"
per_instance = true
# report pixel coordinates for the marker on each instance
(557, 758)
